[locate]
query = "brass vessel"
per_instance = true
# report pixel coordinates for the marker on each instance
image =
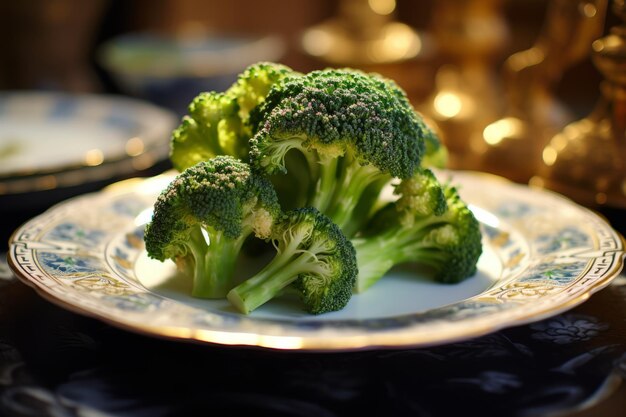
(469, 36)
(587, 159)
(512, 145)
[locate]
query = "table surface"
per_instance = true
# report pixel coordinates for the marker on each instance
(57, 363)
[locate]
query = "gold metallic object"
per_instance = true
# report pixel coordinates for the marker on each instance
(363, 33)
(512, 145)
(587, 159)
(469, 35)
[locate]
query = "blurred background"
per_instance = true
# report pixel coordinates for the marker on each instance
(506, 83)
(532, 90)
(58, 44)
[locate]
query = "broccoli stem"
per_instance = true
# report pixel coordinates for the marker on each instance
(327, 182)
(376, 255)
(369, 203)
(347, 193)
(283, 270)
(276, 151)
(372, 260)
(214, 268)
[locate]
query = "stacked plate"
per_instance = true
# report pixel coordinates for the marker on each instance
(52, 141)
(53, 146)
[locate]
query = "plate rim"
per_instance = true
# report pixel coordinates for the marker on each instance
(315, 343)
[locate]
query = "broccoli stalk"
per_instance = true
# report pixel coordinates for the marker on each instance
(218, 122)
(347, 191)
(428, 225)
(203, 217)
(312, 256)
(212, 264)
(356, 131)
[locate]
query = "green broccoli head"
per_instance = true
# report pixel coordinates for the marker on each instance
(333, 111)
(420, 195)
(328, 285)
(354, 129)
(312, 256)
(212, 128)
(218, 122)
(428, 225)
(254, 84)
(458, 241)
(203, 217)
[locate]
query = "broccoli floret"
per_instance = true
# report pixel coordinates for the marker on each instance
(212, 128)
(203, 217)
(218, 122)
(253, 85)
(428, 225)
(312, 256)
(355, 130)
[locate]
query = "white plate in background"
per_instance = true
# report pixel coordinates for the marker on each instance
(54, 140)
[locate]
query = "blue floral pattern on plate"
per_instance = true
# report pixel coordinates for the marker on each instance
(73, 232)
(555, 273)
(566, 238)
(69, 265)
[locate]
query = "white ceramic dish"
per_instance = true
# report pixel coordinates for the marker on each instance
(543, 254)
(151, 55)
(54, 140)
(171, 70)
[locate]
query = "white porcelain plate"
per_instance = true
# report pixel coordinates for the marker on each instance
(542, 255)
(50, 140)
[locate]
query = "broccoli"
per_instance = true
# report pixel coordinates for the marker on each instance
(428, 225)
(217, 123)
(356, 132)
(203, 217)
(312, 256)
(253, 85)
(352, 134)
